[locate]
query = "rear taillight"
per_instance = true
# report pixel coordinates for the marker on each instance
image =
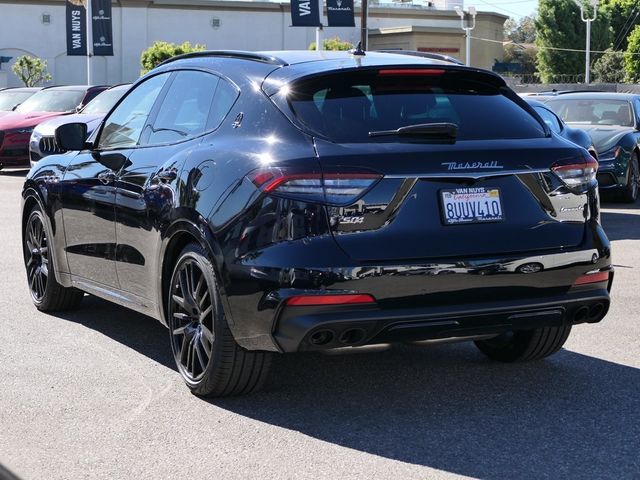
(340, 299)
(334, 188)
(592, 277)
(577, 175)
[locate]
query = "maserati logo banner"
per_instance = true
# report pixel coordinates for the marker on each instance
(77, 27)
(305, 13)
(101, 26)
(340, 13)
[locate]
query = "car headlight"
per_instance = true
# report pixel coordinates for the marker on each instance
(610, 155)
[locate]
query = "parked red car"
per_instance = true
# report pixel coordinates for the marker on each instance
(16, 127)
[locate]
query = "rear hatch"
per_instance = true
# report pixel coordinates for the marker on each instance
(464, 168)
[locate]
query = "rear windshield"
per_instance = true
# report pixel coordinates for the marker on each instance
(9, 99)
(345, 107)
(52, 101)
(596, 111)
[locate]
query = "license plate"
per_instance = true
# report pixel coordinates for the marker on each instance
(471, 205)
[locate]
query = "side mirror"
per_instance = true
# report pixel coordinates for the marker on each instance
(72, 136)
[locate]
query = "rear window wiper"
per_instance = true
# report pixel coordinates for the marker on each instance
(427, 131)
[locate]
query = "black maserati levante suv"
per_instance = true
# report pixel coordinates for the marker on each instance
(296, 201)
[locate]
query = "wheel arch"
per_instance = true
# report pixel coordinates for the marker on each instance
(177, 236)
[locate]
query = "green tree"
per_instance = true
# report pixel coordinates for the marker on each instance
(609, 68)
(333, 44)
(31, 70)
(161, 51)
(624, 15)
(559, 25)
(526, 57)
(632, 56)
(520, 31)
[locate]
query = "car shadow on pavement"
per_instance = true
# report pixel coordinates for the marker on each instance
(139, 332)
(14, 173)
(446, 406)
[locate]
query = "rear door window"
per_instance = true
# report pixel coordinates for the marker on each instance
(345, 107)
(184, 111)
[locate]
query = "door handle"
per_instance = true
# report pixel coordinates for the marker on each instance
(107, 177)
(166, 176)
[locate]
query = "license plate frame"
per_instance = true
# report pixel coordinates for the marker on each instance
(483, 205)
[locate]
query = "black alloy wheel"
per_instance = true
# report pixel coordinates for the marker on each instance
(210, 361)
(37, 252)
(46, 293)
(191, 320)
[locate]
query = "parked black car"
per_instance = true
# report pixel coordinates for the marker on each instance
(613, 122)
(295, 201)
(557, 126)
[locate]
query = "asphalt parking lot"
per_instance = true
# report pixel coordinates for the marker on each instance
(94, 394)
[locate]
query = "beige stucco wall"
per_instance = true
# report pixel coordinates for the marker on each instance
(445, 36)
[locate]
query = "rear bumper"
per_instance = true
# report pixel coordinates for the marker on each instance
(311, 328)
(462, 298)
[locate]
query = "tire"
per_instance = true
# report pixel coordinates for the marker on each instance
(46, 293)
(525, 345)
(210, 361)
(630, 190)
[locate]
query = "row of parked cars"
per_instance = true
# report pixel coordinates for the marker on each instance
(607, 125)
(29, 116)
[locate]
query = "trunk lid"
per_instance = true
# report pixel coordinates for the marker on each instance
(403, 216)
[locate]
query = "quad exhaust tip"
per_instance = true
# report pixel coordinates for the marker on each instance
(349, 337)
(591, 313)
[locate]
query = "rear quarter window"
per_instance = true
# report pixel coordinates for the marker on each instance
(345, 107)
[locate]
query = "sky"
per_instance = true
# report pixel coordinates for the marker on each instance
(512, 8)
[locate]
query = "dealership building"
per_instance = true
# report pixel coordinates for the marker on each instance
(37, 28)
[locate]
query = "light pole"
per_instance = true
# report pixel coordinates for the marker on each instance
(588, 20)
(467, 29)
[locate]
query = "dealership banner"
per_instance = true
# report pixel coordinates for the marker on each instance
(305, 13)
(340, 13)
(76, 27)
(101, 25)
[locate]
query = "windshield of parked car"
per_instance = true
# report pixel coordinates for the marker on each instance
(9, 99)
(593, 111)
(104, 102)
(52, 101)
(346, 107)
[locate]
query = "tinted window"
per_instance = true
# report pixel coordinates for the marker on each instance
(185, 108)
(123, 127)
(346, 107)
(9, 99)
(593, 111)
(226, 95)
(104, 102)
(549, 118)
(52, 101)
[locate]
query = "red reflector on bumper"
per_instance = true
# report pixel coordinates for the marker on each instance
(592, 278)
(309, 300)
